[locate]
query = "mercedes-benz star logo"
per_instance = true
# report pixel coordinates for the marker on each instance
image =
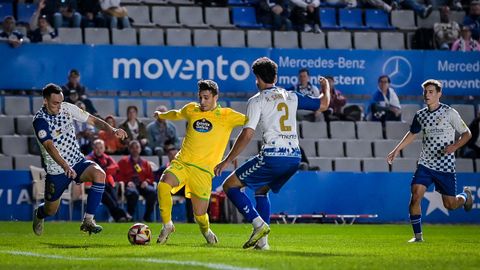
(399, 70)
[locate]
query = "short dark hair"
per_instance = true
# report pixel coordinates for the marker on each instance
(384, 76)
(208, 85)
(304, 70)
(132, 107)
(74, 72)
(50, 89)
(265, 68)
(329, 77)
(436, 83)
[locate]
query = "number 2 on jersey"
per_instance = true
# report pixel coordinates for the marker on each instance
(283, 107)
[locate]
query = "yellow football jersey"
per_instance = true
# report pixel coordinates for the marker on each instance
(207, 134)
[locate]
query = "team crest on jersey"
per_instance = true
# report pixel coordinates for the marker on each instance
(202, 125)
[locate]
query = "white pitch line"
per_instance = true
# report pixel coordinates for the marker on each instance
(158, 261)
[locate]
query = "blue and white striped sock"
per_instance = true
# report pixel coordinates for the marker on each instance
(416, 221)
(464, 196)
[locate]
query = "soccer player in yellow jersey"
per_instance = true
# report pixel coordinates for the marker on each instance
(208, 132)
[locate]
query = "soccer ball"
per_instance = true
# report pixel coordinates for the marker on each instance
(139, 234)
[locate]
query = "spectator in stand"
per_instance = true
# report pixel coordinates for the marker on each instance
(110, 167)
(91, 12)
(159, 132)
(446, 31)
(61, 13)
(305, 87)
(453, 4)
(466, 43)
(136, 130)
(423, 11)
(337, 101)
(384, 105)
(472, 20)
(305, 14)
(114, 13)
(113, 145)
(137, 175)
(85, 132)
(380, 4)
(275, 13)
(472, 148)
(41, 31)
(74, 84)
(9, 35)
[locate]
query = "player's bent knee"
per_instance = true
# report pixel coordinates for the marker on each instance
(99, 177)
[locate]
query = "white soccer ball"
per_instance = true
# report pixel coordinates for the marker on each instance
(139, 234)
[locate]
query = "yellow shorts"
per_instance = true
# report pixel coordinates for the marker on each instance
(197, 181)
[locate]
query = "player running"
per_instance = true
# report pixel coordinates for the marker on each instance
(438, 123)
(274, 110)
(208, 132)
(55, 131)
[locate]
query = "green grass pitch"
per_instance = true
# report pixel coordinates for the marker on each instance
(297, 246)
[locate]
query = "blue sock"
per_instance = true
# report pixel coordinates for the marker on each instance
(416, 221)
(41, 211)
(464, 196)
(94, 197)
(243, 203)
(263, 207)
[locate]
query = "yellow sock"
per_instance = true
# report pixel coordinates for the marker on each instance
(203, 222)
(165, 201)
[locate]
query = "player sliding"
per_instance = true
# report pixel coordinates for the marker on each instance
(274, 109)
(55, 131)
(438, 123)
(208, 132)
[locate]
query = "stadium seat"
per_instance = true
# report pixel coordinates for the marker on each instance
(25, 12)
(24, 125)
(429, 21)
(375, 165)
(182, 2)
(457, 16)
(412, 150)
(339, 40)
(347, 165)
(312, 40)
(181, 127)
(464, 165)
(314, 130)
(369, 130)
(358, 148)
(408, 112)
(205, 38)
(97, 36)
(152, 104)
(285, 39)
(68, 35)
(232, 38)
(342, 130)
(239, 106)
(104, 106)
(328, 18)
(179, 103)
(151, 36)
(37, 103)
(259, 39)
(325, 164)
(396, 130)
(7, 124)
(152, 2)
(245, 17)
(124, 103)
(237, 3)
(365, 40)
(382, 148)
(17, 105)
(140, 16)
(392, 41)
(309, 146)
(218, 17)
(466, 111)
(23, 162)
(6, 9)
(351, 19)
(179, 37)
(403, 19)
(135, 2)
(404, 165)
(33, 146)
(6, 162)
(377, 19)
(251, 149)
(126, 36)
(191, 17)
(330, 148)
(14, 145)
(165, 16)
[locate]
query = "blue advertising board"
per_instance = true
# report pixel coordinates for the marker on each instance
(151, 68)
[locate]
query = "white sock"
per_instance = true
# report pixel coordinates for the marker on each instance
(168, 224)
(88, 216)
(257, 222)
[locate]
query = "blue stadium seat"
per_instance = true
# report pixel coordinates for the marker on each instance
(245, 17)
(328, 18)
(25, 12)
(241, 2)
(351, 19)
(5, 10)
(377, 19)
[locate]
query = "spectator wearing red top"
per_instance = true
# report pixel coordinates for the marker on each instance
(137, 175)
(113, 145)
(109, 198)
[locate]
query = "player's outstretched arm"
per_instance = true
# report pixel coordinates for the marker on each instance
(240, 143)
(169, 115)
(325, 96)
(53, 152)
(100, 124)
(407, 139)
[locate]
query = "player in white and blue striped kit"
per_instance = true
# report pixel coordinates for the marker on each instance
(63, 161)
(436, 165)
(274, 110)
